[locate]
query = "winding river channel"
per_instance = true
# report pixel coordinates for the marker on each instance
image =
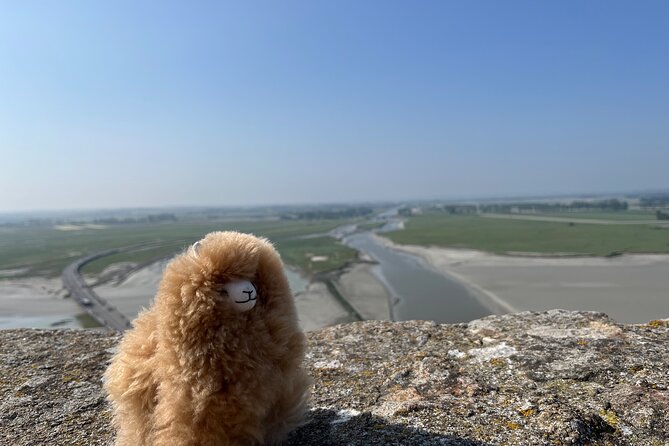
(418, 292)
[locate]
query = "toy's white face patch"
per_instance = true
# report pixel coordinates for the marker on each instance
(242, 294)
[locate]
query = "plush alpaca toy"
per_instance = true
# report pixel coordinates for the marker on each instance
(217, 358)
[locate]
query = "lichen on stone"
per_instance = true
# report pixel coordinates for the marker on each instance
(552, 378)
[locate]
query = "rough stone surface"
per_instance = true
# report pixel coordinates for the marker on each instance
(554, 378)
(51, 388)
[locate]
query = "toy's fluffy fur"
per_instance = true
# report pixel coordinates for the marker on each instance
(193, 371)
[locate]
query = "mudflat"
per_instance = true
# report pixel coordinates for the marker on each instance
(631, 288)
(36, 302)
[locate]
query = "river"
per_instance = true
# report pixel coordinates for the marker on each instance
(417, 291)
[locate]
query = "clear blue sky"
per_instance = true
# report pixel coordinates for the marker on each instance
(110, 104)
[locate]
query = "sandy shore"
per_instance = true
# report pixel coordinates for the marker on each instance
(629, 288)
(364, 290)
(36, 302)
(316, 307)
(135, 292)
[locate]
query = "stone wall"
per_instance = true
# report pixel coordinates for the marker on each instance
(525, 379)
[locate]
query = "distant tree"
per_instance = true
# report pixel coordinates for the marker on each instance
(662, 215)
(155, 218)
(654, 200)
(328, 214)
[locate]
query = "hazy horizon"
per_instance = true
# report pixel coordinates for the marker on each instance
(388, 202)
(130, 105)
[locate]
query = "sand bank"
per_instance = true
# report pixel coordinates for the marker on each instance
(36, 302)
(363, 289)
(316, 307)
(358, 284)
(33, 296)
(630, 288)
(135, 291)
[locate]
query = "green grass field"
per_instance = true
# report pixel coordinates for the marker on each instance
(504, 236)
(142, 255)
(370, 225)
(299, 252)
(46, 251)
(614, 216)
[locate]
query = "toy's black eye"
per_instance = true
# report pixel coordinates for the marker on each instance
(220, 289)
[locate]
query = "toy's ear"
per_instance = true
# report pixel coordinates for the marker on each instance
(196, 247)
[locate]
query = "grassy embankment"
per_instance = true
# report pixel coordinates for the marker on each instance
(46, 251)
(511, 236)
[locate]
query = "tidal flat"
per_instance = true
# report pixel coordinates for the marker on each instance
(630, 288)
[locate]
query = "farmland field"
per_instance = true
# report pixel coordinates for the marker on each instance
(46, 251)
(505, 236)
(614, 216)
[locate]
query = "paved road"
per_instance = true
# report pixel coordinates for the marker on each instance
(93, 304)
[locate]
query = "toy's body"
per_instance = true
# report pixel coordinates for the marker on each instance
(203, 367)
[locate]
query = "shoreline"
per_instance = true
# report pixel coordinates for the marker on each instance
(493, 302)
(316, 305)
(37, 301)
(362, 286)
(630, 288)
(502, 283)
(490, 300)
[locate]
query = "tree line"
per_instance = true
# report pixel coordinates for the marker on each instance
(654, 201)
(329, 214)
(530, 207)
